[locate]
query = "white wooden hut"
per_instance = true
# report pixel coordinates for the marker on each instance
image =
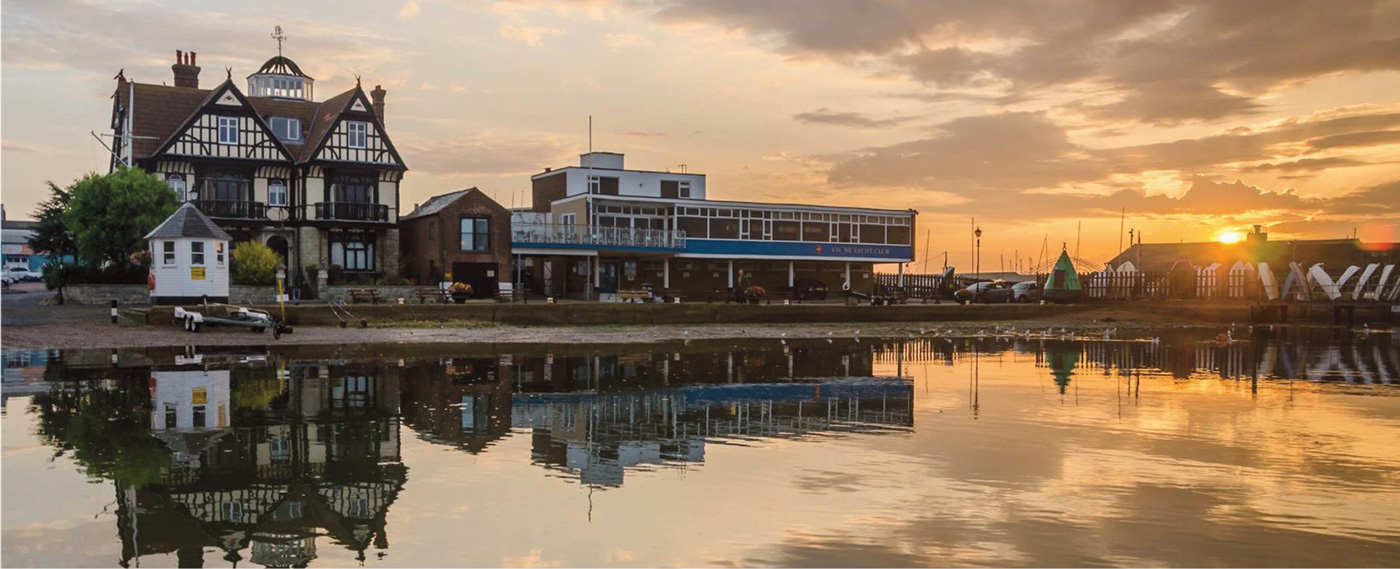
(189, 259)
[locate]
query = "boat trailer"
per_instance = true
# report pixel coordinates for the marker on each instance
(230, 315)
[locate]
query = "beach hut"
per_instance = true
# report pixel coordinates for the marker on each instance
(1237, 280)
(189, 259)
(1063, 284)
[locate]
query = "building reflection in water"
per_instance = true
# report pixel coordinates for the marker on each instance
(254, 458)
(594, 416)
(264, 456)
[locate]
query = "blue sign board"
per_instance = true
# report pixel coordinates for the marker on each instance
(785, 249)
(799, 249)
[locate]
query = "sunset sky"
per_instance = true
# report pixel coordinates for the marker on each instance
(1199, 118)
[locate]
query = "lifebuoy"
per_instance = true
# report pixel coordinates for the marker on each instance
(150, 282)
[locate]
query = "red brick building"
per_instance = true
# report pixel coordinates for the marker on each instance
(463, 236)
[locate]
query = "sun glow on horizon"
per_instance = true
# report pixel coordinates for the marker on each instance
(1229, 237)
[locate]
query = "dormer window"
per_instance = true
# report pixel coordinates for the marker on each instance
(228, 130)
(286, 129)
(356, 131)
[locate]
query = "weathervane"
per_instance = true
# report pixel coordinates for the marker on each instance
(277, 35)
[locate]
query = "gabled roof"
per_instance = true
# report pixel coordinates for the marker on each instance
(323, 122)
(227, 85)
(329, 113)
(438, 203)
(188, 222)
(162, 111)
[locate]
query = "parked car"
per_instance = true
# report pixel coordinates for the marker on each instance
(809, 289)
(23, 275)
(985, 292)
(1025, 292)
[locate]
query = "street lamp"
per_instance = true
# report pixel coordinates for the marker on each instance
(281, 297)
(977, 260)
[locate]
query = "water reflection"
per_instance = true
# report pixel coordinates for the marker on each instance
(288, 456)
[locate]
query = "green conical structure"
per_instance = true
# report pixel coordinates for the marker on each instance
(1063, 283)
(1062, 362)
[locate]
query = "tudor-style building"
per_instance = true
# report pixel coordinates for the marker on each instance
(316, 181)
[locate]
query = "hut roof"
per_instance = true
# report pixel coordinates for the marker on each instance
(188, 221)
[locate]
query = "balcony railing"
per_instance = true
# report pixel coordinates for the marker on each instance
(231, 209)
(551, 234)
(351, 211)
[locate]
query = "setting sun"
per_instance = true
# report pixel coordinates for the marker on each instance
(1229, 237)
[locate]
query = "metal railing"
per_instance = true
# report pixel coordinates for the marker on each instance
(352, 211)
(553, 234)
(232, 209)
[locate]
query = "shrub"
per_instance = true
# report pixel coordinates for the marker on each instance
(254, 264)
(335, 275)
(392, 280)
(73, 273)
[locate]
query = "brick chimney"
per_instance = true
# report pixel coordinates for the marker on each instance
(376, 98)
(186, 71)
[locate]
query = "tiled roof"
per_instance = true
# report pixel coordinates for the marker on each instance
(325, 115)
(162, 109)
(437, 203)
(188, 222)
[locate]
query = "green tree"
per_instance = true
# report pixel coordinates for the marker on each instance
(254, 264)
(110, 215)
(52, 237)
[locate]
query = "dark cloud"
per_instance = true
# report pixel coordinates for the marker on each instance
(1374, 138)
(828, 116)
(1173, 102)
(1382, 199)
(1305, 165)
(969, 155)
(1159, 61)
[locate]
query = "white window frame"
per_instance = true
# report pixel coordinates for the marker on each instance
(196, 248)
(219, 253)
(167, 254)
(276, 183)
(293, 129)
(229, 124)
(683, 189)
(355, 129)
(595, 184)
(568, 218)
(177, 184)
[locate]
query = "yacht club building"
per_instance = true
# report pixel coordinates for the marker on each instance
(601, 227)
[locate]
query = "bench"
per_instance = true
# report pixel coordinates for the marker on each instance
(358, 295)
(425, 294)
(635, 295)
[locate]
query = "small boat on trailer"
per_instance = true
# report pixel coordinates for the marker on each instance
(229, 315)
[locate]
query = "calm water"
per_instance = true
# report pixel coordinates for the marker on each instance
(1275, 450)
